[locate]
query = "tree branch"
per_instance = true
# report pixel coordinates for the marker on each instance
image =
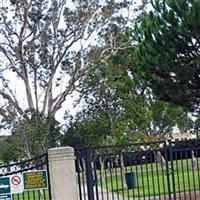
(11, 61)
(61, 97)
(11, 101)
(21, 54)
(53, 71)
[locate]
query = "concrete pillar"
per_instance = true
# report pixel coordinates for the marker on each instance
(62, 173)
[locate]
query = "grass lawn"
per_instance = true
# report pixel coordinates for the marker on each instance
(32, 195)
(152, 179)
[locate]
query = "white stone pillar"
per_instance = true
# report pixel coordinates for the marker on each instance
(62, 173)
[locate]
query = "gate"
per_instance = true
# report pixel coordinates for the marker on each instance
(154, 170)
(31, 165)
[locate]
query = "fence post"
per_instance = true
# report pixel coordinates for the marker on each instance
(167, 170)
(172, 169)
(62, 173)
(89, 175)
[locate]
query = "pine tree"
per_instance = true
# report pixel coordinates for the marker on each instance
(168, 51)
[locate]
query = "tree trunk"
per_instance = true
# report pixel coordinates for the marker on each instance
(159, 158)
(101, 160)
(122, 166)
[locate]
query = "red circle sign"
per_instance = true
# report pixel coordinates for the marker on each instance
(16, 180)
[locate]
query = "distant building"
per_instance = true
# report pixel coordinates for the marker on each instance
(181, 136)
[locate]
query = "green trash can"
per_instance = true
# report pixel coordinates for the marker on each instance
(131, 180)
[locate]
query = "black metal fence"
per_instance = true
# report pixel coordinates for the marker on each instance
(17, 168)
(156, 170)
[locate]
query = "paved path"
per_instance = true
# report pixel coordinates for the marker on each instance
(105, 195)
(185, 196)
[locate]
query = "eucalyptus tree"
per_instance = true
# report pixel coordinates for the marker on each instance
(47, 47)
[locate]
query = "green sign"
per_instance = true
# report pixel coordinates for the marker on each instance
(5, 185)
(35, 180)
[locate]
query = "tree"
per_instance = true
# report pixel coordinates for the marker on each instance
(31, 137)
(111, 88)
(114, 90)
(86, 131)
(186, 123)
(166, 116)
(168, 51)
(45, 49)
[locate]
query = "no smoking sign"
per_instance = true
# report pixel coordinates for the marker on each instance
(16, 180)
(16, 183)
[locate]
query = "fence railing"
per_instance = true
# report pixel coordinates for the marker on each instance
(157, 170)
(16, 170)
(51, 176)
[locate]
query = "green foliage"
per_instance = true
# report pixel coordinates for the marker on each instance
(32, 136)
(113, 89)
(197, 126)
(166, 116)
(96, 131)
(119, 107)
(9, 151)
(86, 131)
(168, 51)
(48, 48)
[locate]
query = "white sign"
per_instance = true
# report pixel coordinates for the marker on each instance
(16, 182)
